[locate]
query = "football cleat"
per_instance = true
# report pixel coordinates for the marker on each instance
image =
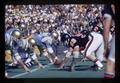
(71, 69)
(96, 68)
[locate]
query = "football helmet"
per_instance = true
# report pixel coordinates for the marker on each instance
(16, 33)
(55, 34)
(32, 41)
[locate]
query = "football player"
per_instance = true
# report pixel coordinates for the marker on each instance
(109, 14)
(11, 38)
(26, 51)
(94, 45)
(73, 50)
(47, 47)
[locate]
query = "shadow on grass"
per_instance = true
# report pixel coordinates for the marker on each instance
(77, 68)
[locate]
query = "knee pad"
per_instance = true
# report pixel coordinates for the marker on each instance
(24, 55)
(50, 50)
(76, 54)
(15, 61)
(68, 54)
(45, 53)
(34, 56)
(17, 56)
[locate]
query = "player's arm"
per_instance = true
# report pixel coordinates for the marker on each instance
(106, 23)
(113, 8)
(30, 36)
(72, 41)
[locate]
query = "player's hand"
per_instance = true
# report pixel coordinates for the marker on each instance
(84, 59)
(41, 67)
(27, 70)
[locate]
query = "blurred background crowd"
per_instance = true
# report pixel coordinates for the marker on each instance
(63, 18)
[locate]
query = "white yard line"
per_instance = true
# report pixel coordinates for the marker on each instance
(33, 70)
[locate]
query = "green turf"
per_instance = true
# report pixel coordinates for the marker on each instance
(82, 70)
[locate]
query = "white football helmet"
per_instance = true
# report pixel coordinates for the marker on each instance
(32, 41)
(55, 34)
(16, 33)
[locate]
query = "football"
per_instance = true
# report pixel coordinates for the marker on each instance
(57, 62)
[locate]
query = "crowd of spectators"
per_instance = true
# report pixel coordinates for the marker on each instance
(63, 18)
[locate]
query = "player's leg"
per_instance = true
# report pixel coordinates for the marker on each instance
(45, 52)
(67, 55)
(110, 65)
(37, 51)
(19, 60)
(14, 63)
(75, 56)
(109, 45)
(51, 54)
(9, 58)
(100, 57)
(35, 59)
(91, 47)
(99, 52)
